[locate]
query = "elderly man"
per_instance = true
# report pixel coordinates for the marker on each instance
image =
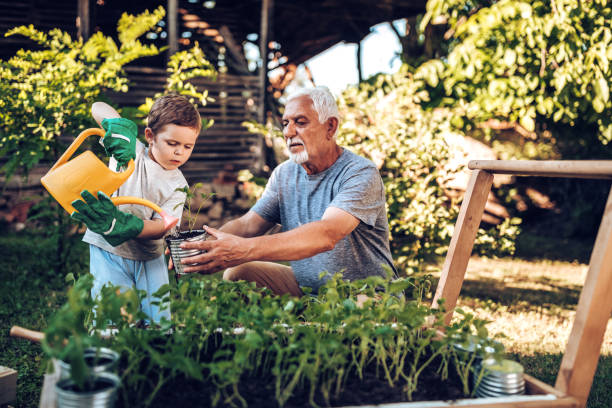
(329, 202)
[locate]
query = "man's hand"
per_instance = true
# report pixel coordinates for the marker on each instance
(103, 217)
(120, 139)
(224, 251)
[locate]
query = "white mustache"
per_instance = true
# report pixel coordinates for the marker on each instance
(294, 140)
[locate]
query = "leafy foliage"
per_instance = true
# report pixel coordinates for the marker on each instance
(46, 93)
(531, 62)
(384, 121)
(195, 200)
(222, 332)
(183, 67)
(56, 229)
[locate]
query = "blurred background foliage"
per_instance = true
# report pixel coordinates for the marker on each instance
(532, 80)
(48, 92)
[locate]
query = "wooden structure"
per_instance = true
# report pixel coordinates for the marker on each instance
(582, 352)
(222, 28)
(227, 145)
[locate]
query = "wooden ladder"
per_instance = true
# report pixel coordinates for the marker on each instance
(583, 348)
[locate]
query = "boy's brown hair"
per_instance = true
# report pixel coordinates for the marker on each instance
(173, 109)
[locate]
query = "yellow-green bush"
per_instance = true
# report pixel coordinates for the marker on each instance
(384, 121)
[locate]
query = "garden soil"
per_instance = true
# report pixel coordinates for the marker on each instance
(259, 392)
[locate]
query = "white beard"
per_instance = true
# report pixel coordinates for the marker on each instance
(298, 158)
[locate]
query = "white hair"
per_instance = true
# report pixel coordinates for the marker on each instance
(323, 102)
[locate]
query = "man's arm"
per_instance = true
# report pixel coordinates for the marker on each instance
(249, 225)
(303, 242)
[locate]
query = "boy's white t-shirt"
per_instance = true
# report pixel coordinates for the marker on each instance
(154, 183)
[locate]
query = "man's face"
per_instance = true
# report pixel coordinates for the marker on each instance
(304, 134)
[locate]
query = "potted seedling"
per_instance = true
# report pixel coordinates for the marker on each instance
(87, 370)
(194, 201)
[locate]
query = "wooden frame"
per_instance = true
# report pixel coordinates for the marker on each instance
(583, 348)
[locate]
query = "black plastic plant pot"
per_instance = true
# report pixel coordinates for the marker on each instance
(177, 254)
(101, 394)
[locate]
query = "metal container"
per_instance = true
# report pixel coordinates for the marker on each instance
(103, 396)
(98, 360)
(472, 346)
(500, 378)
(177, 253)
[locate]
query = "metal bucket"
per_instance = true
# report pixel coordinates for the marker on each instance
(102, 397)
(98, 360)
(177, 253)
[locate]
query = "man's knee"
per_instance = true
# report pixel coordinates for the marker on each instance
(236, 273)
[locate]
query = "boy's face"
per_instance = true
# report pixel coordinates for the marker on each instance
(172, 146)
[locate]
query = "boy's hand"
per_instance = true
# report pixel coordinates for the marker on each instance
(120, 139)
(103, 217)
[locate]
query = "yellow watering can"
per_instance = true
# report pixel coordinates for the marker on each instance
(66, 179)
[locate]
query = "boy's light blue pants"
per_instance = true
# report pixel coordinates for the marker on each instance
(142, 275)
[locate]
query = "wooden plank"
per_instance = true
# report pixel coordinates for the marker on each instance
(548, 168)
(83, 20)
(565, 402)
(222, 156)
(206, 146)
(535, 386)
(8, 385)
(579, 362)
(462, 241)
(199, 165)
(172, 19)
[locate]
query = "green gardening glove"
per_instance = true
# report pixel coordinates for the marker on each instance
(103, 217)
(120, 139)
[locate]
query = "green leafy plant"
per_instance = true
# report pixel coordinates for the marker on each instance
(538, 69)
(529, 62)
(56, 230)
(84, 322)
(194, 201)
(48, 92)
(223, 333)
(185, 67)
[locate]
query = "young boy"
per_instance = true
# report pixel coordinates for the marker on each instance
(126, 245)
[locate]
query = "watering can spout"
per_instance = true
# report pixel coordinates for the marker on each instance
(68, 178)
(169, 220)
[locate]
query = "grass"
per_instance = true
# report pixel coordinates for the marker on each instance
(532, 302)
(30, 292)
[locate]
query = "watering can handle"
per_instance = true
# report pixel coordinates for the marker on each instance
(77, 142)
(169, 220)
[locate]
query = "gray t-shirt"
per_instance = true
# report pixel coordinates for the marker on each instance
(353, 184)
(154, 183)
